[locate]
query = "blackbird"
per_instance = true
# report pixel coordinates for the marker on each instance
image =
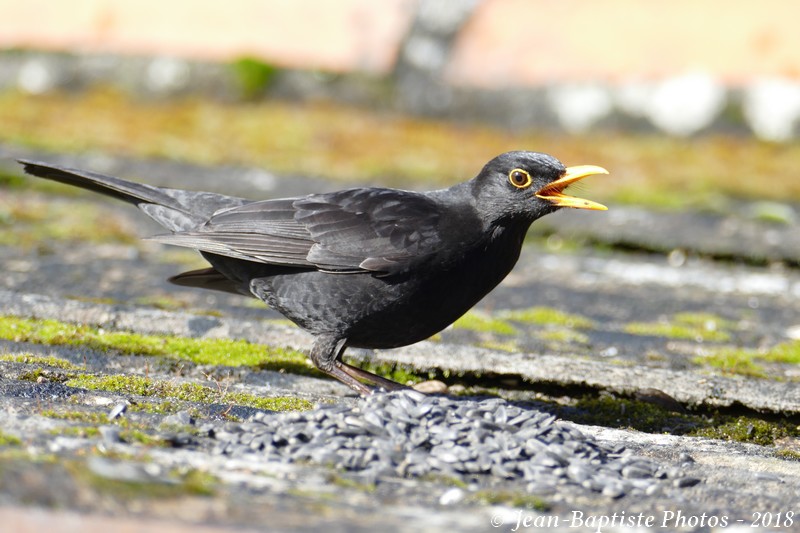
(362, 267)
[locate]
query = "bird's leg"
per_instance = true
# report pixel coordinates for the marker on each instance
(325, 355)
(374, 379)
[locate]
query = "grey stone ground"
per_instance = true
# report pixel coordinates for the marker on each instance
(755, 288)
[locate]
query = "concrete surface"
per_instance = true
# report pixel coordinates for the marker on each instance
(57, 450)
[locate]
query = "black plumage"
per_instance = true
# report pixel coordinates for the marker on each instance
(363, 267)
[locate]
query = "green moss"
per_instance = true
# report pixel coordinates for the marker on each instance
(253, 76)
(46, 360)
(130, 435)
(733, 361)
(547, 316)
(190, 392)
(440, 479)
(201, 351)
(208, 312)
(12, 181)
(93, 299)
(16, 454)
(77, 416)
(177, 484)
(82, 432)
(707, 321)
(141, 437)
(671, 331)
(510, 498)
(746, 429)
(788, 352)
(130, 431)
(694, 326)
(38, 374)
(562, 336)
(198, 482)
(610, 411)
(482, 323)
(508, 346)
(789, 455)
(348, 483)
(164, 407)
(773, 213)
(9, 440)
(161, 302)
(745, 361)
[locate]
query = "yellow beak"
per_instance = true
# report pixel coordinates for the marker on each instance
(554, 192)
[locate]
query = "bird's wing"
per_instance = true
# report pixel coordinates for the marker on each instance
(356, 230)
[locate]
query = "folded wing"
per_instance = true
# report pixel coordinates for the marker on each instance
(358, 230)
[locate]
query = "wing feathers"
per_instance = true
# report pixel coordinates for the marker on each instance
(357, 230)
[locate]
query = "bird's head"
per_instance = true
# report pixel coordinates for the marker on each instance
(527, 185)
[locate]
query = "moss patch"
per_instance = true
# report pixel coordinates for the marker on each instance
(707, 321)
(746, 429)
(82, 432)
(787, 352)
(87, 417)
(130, 431)
(46, 360)
(9, 440)
(562, 336)
(202, 351)
(176, 484)
(253, 76)
(789, 455)
(164, 407)
(483, 323)
(190, 392)
(93, 299)
(161, 302)
(510, 498)
(733, 361)
(700, 327)
(748, 362)
(12, 181)
(547, 316)
(610, 411)
(507, 346)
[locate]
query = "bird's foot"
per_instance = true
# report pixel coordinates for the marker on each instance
(373, 379)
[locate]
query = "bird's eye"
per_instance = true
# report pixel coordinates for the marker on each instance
(519, 178)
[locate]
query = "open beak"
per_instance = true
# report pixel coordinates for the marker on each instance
(554, 192)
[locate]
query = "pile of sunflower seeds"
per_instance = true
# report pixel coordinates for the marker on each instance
(409, 434)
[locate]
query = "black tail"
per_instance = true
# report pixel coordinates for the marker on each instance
(174, 209)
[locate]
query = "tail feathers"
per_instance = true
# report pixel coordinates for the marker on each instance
(208, 278)
(174, 209)
(128, 191)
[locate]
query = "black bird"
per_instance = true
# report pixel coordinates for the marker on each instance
(363, 267)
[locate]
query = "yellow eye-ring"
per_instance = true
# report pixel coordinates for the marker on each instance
(519, 178)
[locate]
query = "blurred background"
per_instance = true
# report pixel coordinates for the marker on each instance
(688, 103)
(692, 105)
